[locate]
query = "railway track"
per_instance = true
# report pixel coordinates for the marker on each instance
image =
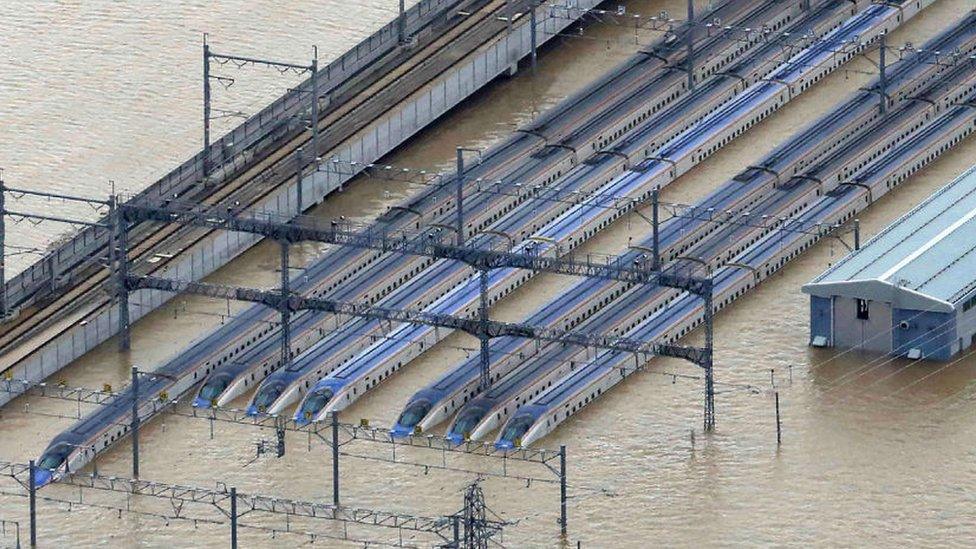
(766, 257)
(339, 82)
(38, 326)
(246, 346)
(703, 140)
(698, 236)
(627, 176)
(830, 194)
(626, 312)
(107, 437)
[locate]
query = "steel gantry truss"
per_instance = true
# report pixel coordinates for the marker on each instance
(448, 455)
(241, 61)
(231, 506)
(429, 244)
(16, 216)
(425, 243)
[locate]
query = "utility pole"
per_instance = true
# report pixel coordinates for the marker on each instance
(882, 77)
(402, 25)
(460, 192)
(233, 518)
(32, 501)
(532, 35)
(3, 250)
(134, 426)
(655, 202)
(563, 518)
(691, 44)
(206, 108)
(335, 458)
(298, 179)
(779, 429)
(314, 68)
(460, 196)
(485, 381)
(709, 361)
(119, 264)
(283, 307)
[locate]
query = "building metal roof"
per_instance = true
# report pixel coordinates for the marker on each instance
(925, 260)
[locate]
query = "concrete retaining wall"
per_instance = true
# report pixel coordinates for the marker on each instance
(368, 145)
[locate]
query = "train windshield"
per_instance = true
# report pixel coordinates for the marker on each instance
(315, 402)
(414, 413)
(54, 457)
(266, 396)
(213, 388)
(467, 421)
(517, 427)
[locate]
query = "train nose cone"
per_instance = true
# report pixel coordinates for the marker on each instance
(455, 438)
(302, 419)
(42, 477)
(252, 410)
(504, 445)
(400, 431)
(201, 403)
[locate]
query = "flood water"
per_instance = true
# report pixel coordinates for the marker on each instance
(875, 451)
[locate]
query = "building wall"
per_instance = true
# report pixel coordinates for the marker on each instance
(933, 333)
(938, 336)
(873, 334)
(966, 321)
(821, 319)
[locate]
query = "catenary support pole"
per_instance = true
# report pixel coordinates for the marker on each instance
(299, 160)
(460, 196)
(402, 25)
(335, 458)
(206, 108)
(32, 502)
(315, 104)
(112, 256)
(655, 222)
(456, 527)
(882, 77)
(283, 309)
(562, 491)
(483, 336)
(122, 256)
(233, 518)
(134, 425)
(779, 428)
(691, 44)
(3, 250)
(709, 362)
(533, 39)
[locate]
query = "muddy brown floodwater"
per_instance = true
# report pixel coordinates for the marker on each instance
(875, 451)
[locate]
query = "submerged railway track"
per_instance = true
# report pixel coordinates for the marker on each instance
(42, 339)
(105, 437)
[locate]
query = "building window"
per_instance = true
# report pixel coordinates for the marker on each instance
(862, 309)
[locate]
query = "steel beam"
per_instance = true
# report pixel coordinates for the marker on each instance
(475, 327)
(343, 234)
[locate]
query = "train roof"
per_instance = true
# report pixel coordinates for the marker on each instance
(925, 260)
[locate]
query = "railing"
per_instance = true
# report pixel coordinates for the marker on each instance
(42, 275)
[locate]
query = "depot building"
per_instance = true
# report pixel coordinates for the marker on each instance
(911, 290)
